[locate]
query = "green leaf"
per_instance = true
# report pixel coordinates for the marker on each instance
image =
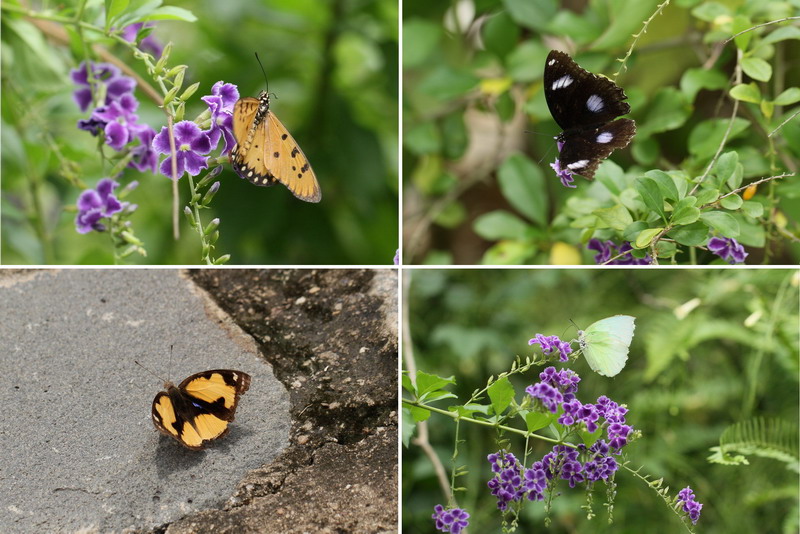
(710, 11)
(707, 136)
(500, 34)
(752, 208)
(616, 217)
(113, 10)
(427, 383)
(408, 426)
(669, 111)
(419, 414)
(746, 92)
(693, 80)
(725, 167)
(501, 393)
(685, 211)
(533, 15)
(757, 68)
(424, 138)
(781, 34)
(500, 224)
(665, 183)
(651, 195)
(707, 195)
(741, 23)
(721, 221)
(733, 202)
(588, 438)
(646, 237)
(509, 253)
(445, 83)
(691, 235)
(789, 96)
(519, 61)
(420, 40)
(172, 13)
(408, 385)
(522, 184)
(536, 420)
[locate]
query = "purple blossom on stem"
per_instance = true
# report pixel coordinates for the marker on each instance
(550, 397)
(565, 380)
(220, 103)
(728, 249)
(550, 344)
(690, 506)
(149, 43)
(144, 157)
(453, 520)
(507, 484)
(600, 466)
(397, 257)
(191, 145)
(116, 84)
(94, 205)
(565, 175)
(535, 482)
(608, 249)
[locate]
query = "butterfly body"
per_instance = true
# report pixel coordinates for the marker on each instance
(585, 105)
(266, 153)
(199, 409)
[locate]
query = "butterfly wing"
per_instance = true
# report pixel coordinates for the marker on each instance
(287, 163)
(605, 344)
(576, 97)
(584, 149)
(199, 409)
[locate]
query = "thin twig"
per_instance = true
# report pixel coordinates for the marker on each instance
(781, 125)
(734, 36)
(761, 181)
(624, 61)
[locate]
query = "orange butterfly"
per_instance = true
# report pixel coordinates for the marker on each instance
(266, 152)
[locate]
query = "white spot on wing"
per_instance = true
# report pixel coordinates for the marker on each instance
(595, 103)
(551, 62)
(562, 82)
(578, 164)
(605, 137)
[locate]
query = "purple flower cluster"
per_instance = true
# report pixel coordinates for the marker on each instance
(563, 460)
(608, 249)
(565, 175)
(550, 344)
(193, 144)
(728, 249)
(601, 464)
(453, 520)
(690, 506)
(97, 204)
(115, 117)
(149, 43)
(614, 414)
(507, 482)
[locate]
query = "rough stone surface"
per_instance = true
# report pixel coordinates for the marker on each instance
(79, 449)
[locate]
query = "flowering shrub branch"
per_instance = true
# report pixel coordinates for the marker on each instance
(588, 442)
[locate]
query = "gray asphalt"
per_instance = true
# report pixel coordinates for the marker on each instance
(79, 450)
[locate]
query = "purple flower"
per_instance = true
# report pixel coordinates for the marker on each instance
(220, 104)
(94, 205)
(118, 120)
(728, 249)
(550, 344)
(453, 520)
(144, 157)
(191, 144)
(600, 465)
(397, 257)
(565, 175)
(690, 506)
(535, 482)
(105, 73)
(551, 398)
(507, 483)
(565, 381)
(149, 43)
(608, 249)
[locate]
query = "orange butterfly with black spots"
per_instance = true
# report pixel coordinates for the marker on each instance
(266, 152)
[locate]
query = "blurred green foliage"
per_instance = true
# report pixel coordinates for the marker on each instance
(712, 349)
(476, 123)
(334, 68)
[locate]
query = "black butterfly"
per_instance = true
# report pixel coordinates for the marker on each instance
(584, 104)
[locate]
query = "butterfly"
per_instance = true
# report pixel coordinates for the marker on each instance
(198, 410)
(605, 344)
(584, 105)
(265, 151)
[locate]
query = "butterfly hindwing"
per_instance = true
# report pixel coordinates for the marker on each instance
(266, 152)
(198, 410)
(584, 105)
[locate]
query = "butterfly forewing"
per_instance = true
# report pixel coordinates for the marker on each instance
(584, 105)
(266, 152)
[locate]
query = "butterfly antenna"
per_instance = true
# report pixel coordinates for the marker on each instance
(263, 72)
(148, 370)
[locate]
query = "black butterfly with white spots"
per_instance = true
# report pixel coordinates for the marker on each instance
(584, 105)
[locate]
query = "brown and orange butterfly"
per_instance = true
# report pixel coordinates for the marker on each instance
(266, 152)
